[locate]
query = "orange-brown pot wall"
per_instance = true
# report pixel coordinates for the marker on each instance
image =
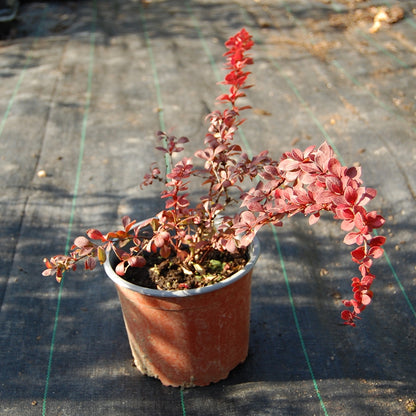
(189, 341)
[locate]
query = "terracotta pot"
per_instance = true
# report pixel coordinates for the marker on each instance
(188, 337)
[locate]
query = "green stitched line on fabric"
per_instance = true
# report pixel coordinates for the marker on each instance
(398, 281)
(74, 198)
(183, 403)
(295, 317)
(203, 41)
(16, 89)
(21, 76)
(383, 50)
(156, 83)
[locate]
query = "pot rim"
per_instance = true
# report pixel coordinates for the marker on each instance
(254, 255)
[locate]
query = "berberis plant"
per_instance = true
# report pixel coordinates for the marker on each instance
(205, 238)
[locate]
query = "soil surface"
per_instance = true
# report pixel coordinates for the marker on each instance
(171, 274)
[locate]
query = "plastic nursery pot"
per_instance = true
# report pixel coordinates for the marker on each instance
(188, 337)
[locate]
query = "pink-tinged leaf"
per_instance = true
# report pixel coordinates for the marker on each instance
(297, 154)
(82, 242)
(309, 167)
(121, 254)
(271, 170)
(376, 252)
(254, 206)
(288, 164)
(366, 297)
(202, 154)
(292, 176)
(326, 150)
(231, 245)
(367, 280)
(321, 160)
(137, 261)
(351, 238)
(248, 218)
(126, 220)
(344, 213)
(308, 151)
(350, 195)
(90, 263)
(359, 221)
(324, 197)
(48, 272)
(334, 185)
(314, 218)
(120, 269)
(367, 195)
(246, 240)
(334, 166)
(220, 149)
(161, 238)
(347, 225)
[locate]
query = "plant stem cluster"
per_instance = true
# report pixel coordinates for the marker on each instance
(309, 182)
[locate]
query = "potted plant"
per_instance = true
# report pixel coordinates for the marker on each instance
(183, 276)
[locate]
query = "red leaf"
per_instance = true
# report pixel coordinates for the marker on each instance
(377, 241)
(95, 235)
(358, 254)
